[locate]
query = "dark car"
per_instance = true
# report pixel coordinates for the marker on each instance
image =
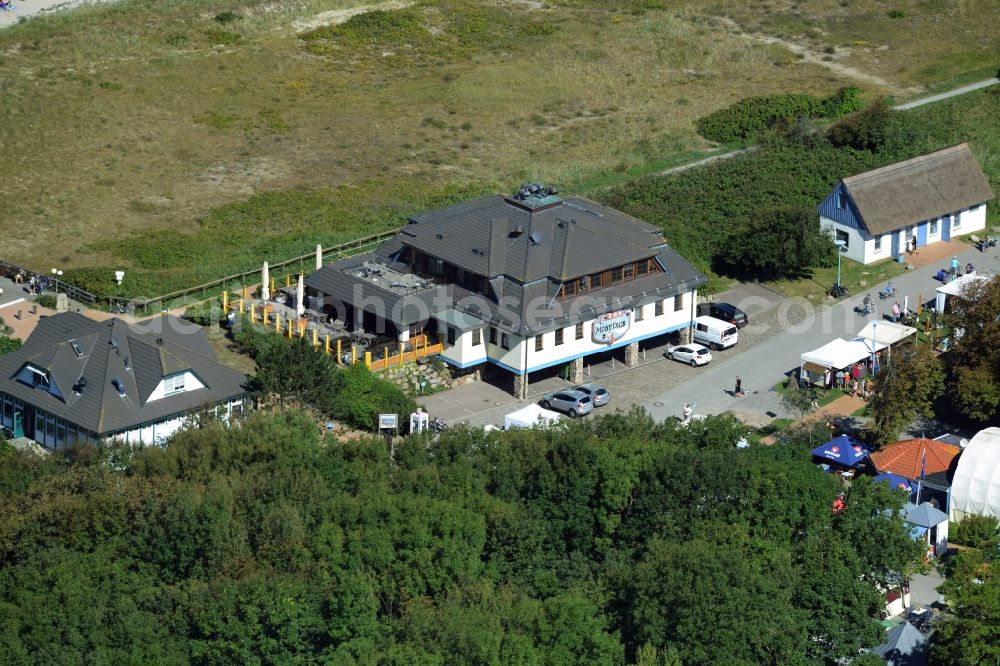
(725, 312)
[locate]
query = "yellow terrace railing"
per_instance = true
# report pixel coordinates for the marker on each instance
(271, 317)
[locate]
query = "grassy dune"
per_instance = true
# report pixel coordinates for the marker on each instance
(182, 139)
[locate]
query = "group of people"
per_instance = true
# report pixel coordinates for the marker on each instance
(37, 283)
(853, 377)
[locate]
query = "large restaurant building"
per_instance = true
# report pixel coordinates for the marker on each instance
(524, 283)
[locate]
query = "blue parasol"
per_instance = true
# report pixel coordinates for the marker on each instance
(895, 481)
(842, 450)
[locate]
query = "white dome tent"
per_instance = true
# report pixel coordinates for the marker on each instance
(975, 489)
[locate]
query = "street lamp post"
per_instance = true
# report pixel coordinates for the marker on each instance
(56, 274)
(840, 249)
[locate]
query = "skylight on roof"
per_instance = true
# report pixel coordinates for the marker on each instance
(77, 347)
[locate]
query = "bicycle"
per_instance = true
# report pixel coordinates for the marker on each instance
(839, 291)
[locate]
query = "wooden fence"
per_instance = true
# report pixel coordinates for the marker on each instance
(333, 253)
(11, 271)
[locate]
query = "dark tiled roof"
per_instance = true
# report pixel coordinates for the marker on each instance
(918, 189)
(526, 252)
(341, 289)
(571, 238)
(139, 356)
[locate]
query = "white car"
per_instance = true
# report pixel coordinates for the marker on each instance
(694, 355)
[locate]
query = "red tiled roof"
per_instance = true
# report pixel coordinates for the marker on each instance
(904, 458)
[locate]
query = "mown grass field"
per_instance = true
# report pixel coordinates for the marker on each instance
(185, 139)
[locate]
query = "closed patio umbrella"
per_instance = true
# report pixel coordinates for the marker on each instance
(300, 297)
(319, 257)
(265, 280)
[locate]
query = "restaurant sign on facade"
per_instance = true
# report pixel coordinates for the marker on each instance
(611, 327)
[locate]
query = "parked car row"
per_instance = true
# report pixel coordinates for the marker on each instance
(578, 400)
(716, 327)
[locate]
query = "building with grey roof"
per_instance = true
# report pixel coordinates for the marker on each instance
(524, 282)
(924, 199)
(76, 379)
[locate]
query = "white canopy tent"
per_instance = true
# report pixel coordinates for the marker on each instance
(882, 334)
(838, 353)
(955, 288)
(531, 416)
(975, 488)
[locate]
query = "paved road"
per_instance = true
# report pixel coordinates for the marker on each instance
(945, 95)
(767, 364)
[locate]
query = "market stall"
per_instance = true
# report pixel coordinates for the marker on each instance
(835, 355)
(955, 288)
(879, 335)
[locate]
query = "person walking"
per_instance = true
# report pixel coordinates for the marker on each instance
(840, 379)
(895, 312)
(738, 391)
(954, 266)
(686, 412)
(854, 388)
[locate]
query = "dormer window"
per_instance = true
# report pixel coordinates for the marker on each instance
(174, 383)
(39, 379)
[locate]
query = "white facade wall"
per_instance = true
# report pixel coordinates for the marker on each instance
(158, 432)
(521, 353)
(861, 245)
(553, 354)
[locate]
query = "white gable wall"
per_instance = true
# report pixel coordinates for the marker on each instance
(463, 353)
(972, 219)
(191, 383)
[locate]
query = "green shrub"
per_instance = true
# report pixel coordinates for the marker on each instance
(876, 128)
(227, 16)
(292, 371)
(9, 344)
(222, 37)
(975, 531)
(364, 396)
(748, 118)
(376, 27)
(46, 300)
(745, 119)
(204, 314)
(846, 100)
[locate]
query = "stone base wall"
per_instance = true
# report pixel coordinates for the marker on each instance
(520, 386)
(434, 376)
(632, 355)
(576, 373)
(684, 335)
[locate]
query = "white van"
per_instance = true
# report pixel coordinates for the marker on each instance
(715, 333)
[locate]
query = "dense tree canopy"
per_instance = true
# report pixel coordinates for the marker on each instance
(904, 387)
(614, 540)
(970, 632)
(975, 363)
(779, 243)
